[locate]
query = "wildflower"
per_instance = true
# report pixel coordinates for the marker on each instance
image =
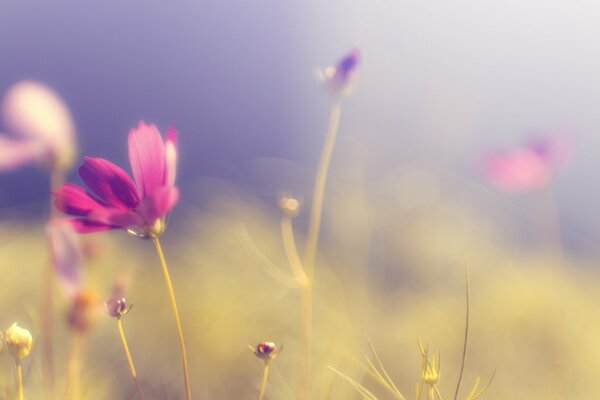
(38, 115)
(119, 203)
(528, 167)
(290, 206)
(266, 350)
(18, 341)
(340, 79)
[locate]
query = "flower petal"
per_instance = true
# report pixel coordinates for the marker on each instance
(116, 217)
(159, 203)
(147, 158)
(74, 200)
(16, 153)
(67, 257)
(83, 225)
(171, 155)
(109, 182)
(516, 171)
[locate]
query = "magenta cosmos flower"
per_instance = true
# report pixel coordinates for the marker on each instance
(529, 167)
(114, 200)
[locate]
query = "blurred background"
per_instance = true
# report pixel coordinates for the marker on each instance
(440, 83)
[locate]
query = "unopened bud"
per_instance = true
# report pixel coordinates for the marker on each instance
(17, 341)
(290, 206)
(266, 350)
(117, 307)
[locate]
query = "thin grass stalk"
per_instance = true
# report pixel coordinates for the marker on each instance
(466, 337)
(184, 363)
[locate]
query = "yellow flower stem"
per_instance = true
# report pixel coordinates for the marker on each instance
(57, 178)
(265, 377)
(19, 379)
(165, 269)
(430, 392)
(311, 249)
(129, 359)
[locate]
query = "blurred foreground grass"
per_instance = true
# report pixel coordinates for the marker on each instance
(395, 274)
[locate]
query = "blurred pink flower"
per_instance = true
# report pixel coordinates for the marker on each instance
(341, 78)
(67, 257)
(119, 203)
(528, 167)
(43, 127)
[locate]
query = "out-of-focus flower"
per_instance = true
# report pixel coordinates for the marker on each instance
(67, 257)
(528, 167)
(43, 125)
(119, 203)
(85, 308)
(266, 350)
(341, 78)
(17, 341)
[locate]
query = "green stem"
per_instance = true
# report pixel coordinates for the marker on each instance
(129, 359)
(165, 269)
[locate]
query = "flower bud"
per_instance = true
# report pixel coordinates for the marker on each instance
(290, 206)
(117, 307)
(340, 79)
(17, 341)
(266, 350)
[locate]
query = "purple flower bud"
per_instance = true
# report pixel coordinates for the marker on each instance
(341, 78)
(117, 307)
(266, 350)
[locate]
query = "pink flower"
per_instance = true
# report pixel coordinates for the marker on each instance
(43, 125)
(115, 201)
(341, 78)
(528, 167)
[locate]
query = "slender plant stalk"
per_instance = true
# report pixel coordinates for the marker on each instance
(188, 392)
(265, 378)
(129, 360)
(289, 245)
(464, 352)
(19, 379)
(74, 365)
(311, 249)
(46, 306)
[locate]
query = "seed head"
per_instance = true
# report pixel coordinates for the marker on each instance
(17, 341)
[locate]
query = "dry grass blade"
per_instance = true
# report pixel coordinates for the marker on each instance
(359, 387)
(268, 266)
(395, 391)
(483, 390)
